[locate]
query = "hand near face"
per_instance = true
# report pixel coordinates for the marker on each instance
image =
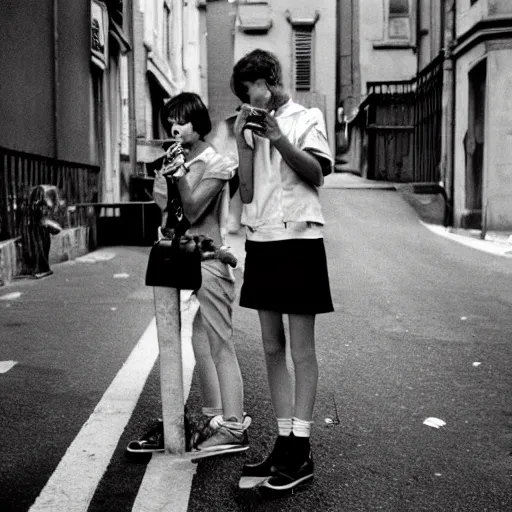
(174, 159)
(259, 121)
(174, 151)
(271, 128)
(241, 119)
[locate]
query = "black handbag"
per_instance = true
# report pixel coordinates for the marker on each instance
(172, 267)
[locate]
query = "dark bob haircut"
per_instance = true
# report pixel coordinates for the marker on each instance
(253, 66)
(187, 107)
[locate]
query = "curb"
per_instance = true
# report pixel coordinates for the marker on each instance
(67, 245)
(9, 263)
(347, 180)
(488, 245)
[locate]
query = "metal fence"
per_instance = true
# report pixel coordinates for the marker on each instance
(403, 126)
(130, 223)
(20, 172)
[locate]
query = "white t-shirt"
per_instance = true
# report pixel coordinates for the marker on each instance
(284, 206)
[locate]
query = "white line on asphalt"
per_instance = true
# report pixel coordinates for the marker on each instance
(72, 485)
(96, 256)
(167, 482)
(5, 366)
(482, 245)
(166, 485)
(11, 296)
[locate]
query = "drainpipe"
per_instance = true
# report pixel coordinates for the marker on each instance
(56, 84)
(132, 125)
(449, 104)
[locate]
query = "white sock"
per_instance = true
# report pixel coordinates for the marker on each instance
(284, 426)
(301, 428)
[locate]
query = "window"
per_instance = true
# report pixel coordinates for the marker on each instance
(303, 56)
(302, 34)
(399, 21)
(97, 127)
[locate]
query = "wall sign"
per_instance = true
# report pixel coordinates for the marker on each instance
(99, 34)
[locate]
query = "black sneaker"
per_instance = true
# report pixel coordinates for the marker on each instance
(151, 442)
(255, 474)
(229, 436)
(297, 473)
(204, 428)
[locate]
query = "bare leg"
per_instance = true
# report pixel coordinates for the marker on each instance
(302, 348)
(229, 375)
(215, 299)
(274, 347)
(206, 370)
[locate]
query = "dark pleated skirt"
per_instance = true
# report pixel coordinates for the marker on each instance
(287, 276)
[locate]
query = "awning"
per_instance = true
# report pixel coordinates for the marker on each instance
(254, 17)
(120, 37)
(162, 73)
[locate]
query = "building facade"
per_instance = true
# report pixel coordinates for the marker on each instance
(169, 57)
(476, 164)
(66, 88)
(422, 96)
(482, 114)
(376, 42)
(61, 87)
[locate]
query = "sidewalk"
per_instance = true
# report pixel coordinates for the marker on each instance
(349, 180)
(430, 209)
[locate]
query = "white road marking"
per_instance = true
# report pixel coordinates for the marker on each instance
(121, 275)
(5, 366)
(155, 492)
(482, 245)
(166, 485)
(96, 256)
(72, 485)
(11, 296)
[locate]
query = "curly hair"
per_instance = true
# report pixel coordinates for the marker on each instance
(186, 107)
(253, 66)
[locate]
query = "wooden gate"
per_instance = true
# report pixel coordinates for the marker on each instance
(403, 126)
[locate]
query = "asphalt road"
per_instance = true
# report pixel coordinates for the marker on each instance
(70, 334)
(414, 314)
(421, 329)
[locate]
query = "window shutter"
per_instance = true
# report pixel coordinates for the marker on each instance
(303, 41)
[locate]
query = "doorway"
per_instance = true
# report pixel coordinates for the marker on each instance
(474, 143)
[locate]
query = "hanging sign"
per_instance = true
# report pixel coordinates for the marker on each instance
(99, 34)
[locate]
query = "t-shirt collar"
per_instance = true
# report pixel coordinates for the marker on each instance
(289, 108)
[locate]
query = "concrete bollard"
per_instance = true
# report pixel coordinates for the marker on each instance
(171, 269)
(168, 323)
